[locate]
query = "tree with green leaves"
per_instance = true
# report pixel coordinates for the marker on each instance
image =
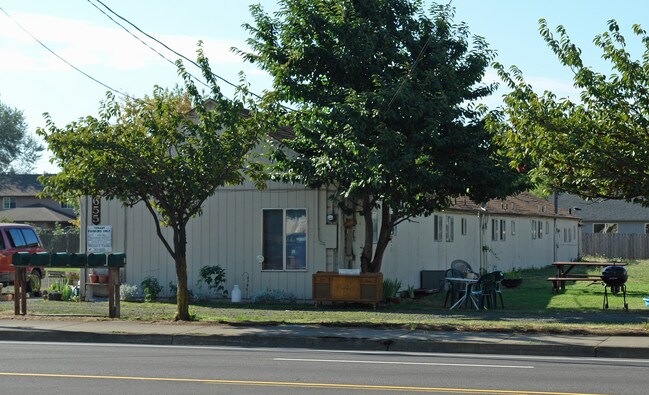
(19, 151)
(596, 147)
(169, 151)
(385, 107)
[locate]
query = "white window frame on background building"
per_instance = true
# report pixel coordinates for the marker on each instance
(8, 202)
(450, 228)
(463, 226)
(513, 227)
(495, 230)
(293, 255)
(438, 228)
(606, 227)
(533, 229)
(503, 229)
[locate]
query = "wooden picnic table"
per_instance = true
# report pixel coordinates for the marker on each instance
(564, 274)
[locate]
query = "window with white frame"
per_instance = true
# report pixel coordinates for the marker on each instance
(605, 228)
(284, 239)
(463, 226)
(533, 229)
(438, 227)
(513, 227)
(8, 202)
(547, 227)
(503, 229)
(495, 232)
(450, 228)
(540, 232)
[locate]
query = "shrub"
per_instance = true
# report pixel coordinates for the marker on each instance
(391, 288)
(274, 296)
(151, 288)
(214, 277)
(128, 292)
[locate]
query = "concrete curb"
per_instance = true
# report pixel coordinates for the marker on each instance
(333, 342)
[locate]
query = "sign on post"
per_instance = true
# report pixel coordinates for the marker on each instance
(100, 239)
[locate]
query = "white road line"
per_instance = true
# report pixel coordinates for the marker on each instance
(536, 358)
(404, 363)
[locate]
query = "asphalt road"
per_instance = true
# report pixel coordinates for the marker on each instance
(76, 368)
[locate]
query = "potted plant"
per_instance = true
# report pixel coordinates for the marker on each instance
(513, 278)
(92, 277)
(56, 290)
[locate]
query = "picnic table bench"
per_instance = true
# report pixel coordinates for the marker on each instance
(564, 274)
(23, 260)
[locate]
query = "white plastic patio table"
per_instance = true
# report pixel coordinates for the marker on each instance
(468, 284)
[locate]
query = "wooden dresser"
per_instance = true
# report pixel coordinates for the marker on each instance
(334, 287)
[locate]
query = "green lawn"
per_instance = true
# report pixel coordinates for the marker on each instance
(530, 308)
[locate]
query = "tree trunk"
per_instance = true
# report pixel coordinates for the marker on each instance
(366, 255)
(182, 295)
(385, 235)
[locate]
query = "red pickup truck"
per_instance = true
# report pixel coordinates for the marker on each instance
(19, 238)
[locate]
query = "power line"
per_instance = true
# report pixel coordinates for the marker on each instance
(421, 53)
(160, 42)
(170, 49)
(61, 58)
(144, 43)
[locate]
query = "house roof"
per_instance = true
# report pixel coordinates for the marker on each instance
(605, 210)
(20, 185)
(36, 213)
(522, 204)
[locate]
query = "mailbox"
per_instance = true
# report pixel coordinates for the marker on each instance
(21, 258)
(96, 260)
(117, 259)
(60, 259)
(40, 259)
(78, 259)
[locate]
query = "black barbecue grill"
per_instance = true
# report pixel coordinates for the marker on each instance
(614, 277)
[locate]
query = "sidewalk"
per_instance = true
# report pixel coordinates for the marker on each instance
(333, 338)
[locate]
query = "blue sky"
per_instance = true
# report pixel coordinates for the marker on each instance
(34, 81)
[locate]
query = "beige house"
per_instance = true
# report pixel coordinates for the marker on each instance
(277, 238)
(19, 203)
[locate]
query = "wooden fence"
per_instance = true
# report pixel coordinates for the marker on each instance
(616, 245)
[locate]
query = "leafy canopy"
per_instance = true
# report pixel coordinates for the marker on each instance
(170, 151)
(19, 151)
(155, 150)
(597, 147)
(385, 97)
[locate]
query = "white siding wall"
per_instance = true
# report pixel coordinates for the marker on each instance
(228, 234)
(413, 248)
